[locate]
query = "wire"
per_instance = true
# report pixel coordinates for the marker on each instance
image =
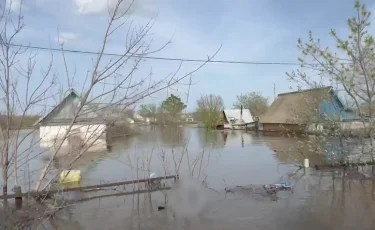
(158, 58)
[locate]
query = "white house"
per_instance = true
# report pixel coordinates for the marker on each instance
(237, 118)
(187, 117)
(88, 128)
(140, 118)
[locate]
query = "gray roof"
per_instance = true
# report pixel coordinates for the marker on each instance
(96, 113)
(64, 112)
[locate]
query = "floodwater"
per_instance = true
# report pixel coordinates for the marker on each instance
(222, 160)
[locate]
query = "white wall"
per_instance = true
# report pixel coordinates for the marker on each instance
(50, 135)
(353, 125)
(227, 126)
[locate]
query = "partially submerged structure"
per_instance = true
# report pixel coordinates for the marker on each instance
(236, 118)
(139, 118)
(87, 129)
(302, 110)
(91, 128)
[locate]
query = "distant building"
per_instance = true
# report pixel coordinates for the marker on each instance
(138, 117)
(187, 117)
(236, 118)
(294, 111)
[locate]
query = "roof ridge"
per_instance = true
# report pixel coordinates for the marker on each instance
(237, 109)
(70, 92)
(306, 90)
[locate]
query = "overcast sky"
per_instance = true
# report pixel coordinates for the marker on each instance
(252, 30)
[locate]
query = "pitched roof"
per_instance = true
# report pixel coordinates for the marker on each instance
(90, 113)
(235, 115)
(326, 88)
(86, 113)
(283, 109)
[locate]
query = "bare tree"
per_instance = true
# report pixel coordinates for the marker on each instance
(349, 69)
(126, 90)
(108, 84)
(20, 93)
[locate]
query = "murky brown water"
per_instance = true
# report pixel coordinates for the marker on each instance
(222, 159)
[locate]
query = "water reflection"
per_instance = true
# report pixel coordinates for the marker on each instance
(293, 150)
(339, 202)
(237, 138)
(172, 135)
(90, 160)
(321, 200)
(229, 158)
(211, 139)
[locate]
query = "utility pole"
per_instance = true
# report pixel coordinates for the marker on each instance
(188, 93)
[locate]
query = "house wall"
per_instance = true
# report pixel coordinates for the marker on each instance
(331, 109)
(276, 127)
(354, 125)
(349, 115)
(227, 126)
(334, 109)
(51, 136)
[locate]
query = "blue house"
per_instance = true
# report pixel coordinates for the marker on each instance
(295, 110)
(333, 108)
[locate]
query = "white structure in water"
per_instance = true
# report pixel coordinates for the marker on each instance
(237, 118)
(142, 119)
(88, 129)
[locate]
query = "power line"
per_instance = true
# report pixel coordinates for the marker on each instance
(158, 58)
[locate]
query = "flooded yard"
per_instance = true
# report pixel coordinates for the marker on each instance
(226, 162)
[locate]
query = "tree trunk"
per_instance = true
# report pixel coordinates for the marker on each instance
(5, 165)
(5, 175)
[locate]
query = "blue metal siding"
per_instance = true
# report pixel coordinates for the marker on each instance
(334, 110)
(330, 110)
(349, 115)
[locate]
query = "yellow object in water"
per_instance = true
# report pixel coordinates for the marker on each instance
(67, 185)
(70, 176)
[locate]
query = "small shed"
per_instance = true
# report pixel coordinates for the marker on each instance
(237, 118)
(187, 117)
(294, 111)
(139, 118)
(88, 128)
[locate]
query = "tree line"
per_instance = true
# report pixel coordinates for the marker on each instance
(208, 110)
(170, 110)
